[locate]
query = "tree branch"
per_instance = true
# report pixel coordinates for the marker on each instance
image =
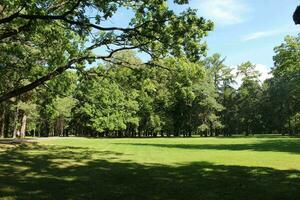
(38, 82)
(58, 71)
(13, 32)
(18, 15)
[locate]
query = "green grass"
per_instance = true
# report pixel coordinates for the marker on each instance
(162, 168)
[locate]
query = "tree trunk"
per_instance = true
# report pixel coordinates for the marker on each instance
(290, 131)
(61, 124)
(7, 122)
(2, 126)
(16, 123)
(23, 126)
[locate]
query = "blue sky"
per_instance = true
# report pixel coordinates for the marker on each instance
(248, 29)
(245, 30)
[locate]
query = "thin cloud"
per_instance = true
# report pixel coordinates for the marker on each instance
(260, 34)
(224, 12)
(269, 33)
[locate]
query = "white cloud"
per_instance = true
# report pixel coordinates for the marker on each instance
(224, 12)
(269, 33)
(262, 69)
(238, 79)
(264, 72)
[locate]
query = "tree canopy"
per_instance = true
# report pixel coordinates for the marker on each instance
(42, 39)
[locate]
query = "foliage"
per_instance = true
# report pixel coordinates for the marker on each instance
(42, 39)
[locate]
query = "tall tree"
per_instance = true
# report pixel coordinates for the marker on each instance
(249, 94)
(223, 79)
(286, 81)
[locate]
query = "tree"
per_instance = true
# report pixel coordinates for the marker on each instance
(294, 124)
(29, 114)
(220, 73)
(71, 35)
(194, 98)
(209, 110)
(104, 105)
(286, 59)
(248, 98)
(223, 79)
(62, 113)
(285, 83)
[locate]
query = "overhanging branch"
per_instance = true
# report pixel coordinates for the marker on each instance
(58, 71)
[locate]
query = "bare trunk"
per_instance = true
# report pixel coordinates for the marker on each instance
(52, 133)
(2, 123)
(290, 131)
(61, 126)
(23, 126)
(16, 123)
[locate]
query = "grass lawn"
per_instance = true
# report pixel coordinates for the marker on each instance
(161, 168)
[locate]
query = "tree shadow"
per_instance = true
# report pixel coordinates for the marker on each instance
(25, 174)
(289, 146)
(14, 141)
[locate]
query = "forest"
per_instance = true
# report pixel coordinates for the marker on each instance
(62, 73)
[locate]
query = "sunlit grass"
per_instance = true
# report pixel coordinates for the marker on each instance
(277, 153)
(154, 168)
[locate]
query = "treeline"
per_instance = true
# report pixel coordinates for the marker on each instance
(169, 97)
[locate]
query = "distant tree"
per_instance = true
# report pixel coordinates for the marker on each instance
(103, 105)
(223, 79)
(28, 116)
(248, 99)
(294, 123)
(62, 107)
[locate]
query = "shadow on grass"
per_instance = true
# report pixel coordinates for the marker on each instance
(289, 146)
(42, 172)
